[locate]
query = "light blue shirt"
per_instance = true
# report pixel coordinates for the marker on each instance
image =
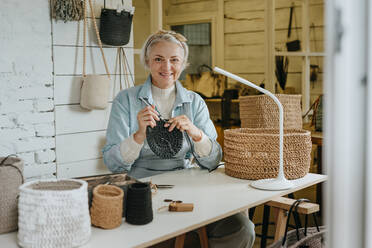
(123, 123)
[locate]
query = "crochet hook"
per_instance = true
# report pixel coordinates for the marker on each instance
(148, 104)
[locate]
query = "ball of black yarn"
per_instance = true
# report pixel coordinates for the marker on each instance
(139, 204)
(163, 143)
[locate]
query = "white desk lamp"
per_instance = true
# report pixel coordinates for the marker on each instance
(280, 182)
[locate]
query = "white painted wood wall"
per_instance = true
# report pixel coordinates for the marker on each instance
(80, 134)
(40, 69)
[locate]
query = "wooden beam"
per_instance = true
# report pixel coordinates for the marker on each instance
(305, 87)
(220, 34)
(156, 15)
(269, 45)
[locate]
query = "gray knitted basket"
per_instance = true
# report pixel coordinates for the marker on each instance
(11, 177)
(314, 239)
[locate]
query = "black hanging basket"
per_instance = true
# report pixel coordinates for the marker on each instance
(115, 27)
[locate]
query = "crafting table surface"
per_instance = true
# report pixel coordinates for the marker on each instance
(215, 196)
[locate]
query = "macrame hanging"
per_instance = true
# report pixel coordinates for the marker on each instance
(67, 10)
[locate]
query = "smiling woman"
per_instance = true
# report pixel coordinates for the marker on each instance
(137, 110)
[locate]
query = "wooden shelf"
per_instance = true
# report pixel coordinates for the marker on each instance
(301, 54)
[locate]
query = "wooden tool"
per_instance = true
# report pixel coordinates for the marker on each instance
(180, 207)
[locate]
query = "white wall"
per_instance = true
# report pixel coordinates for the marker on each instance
(26, 85)
(40, 70)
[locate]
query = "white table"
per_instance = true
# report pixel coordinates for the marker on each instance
(215, 196)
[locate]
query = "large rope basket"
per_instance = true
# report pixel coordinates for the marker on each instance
(53, 213)
(253, 153)
(262, 112)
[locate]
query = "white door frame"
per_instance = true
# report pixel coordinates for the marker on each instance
(346, 123)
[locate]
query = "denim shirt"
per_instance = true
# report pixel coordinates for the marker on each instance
(123, 123)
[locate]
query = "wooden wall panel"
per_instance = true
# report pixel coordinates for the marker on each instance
(74, 119)
(244, 22)
(288, 3)
(235, 39)
(245, 66)
(182, 8)
(88, 145)
(69, 60)
(37, 170)
(282, 17)
(82, 169)
(67, 88)
(232, 7)
(243, 52)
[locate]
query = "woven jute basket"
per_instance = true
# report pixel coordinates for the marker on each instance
(11, 177)
(262, 112)
(107, 206)
(252, 153)
(53, 213)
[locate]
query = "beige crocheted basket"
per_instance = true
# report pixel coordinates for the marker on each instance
(11, 177)
(254, 153)
(53, 213)
(107, 206)
(262, 112)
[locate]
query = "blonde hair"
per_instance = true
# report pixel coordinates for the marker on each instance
(164, 35)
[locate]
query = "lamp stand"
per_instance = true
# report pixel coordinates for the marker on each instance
(280, 182)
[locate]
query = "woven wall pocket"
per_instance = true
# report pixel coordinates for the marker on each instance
(53, 213)
(95, 89)
(262, 112)
(254, 153)
(115, 26)
(107, 206)
(11, 177)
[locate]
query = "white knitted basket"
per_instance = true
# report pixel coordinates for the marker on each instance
(53, 213)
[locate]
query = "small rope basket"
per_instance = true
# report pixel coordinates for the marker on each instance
(139, 205)
(53, 213)
(252, 153)
(107, 206)
(262, 112)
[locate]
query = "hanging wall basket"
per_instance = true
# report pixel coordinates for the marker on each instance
(53, 213)
(253, 153)
(262, 112)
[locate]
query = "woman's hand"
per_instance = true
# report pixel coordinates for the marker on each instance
(146, 117)
(183, 123)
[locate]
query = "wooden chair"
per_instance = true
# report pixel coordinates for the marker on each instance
(202, 232)
(281, 206)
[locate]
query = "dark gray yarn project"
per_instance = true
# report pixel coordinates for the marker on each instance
(163, 143)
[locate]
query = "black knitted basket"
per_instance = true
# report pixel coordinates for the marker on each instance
(115, 27)
(163, 143)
